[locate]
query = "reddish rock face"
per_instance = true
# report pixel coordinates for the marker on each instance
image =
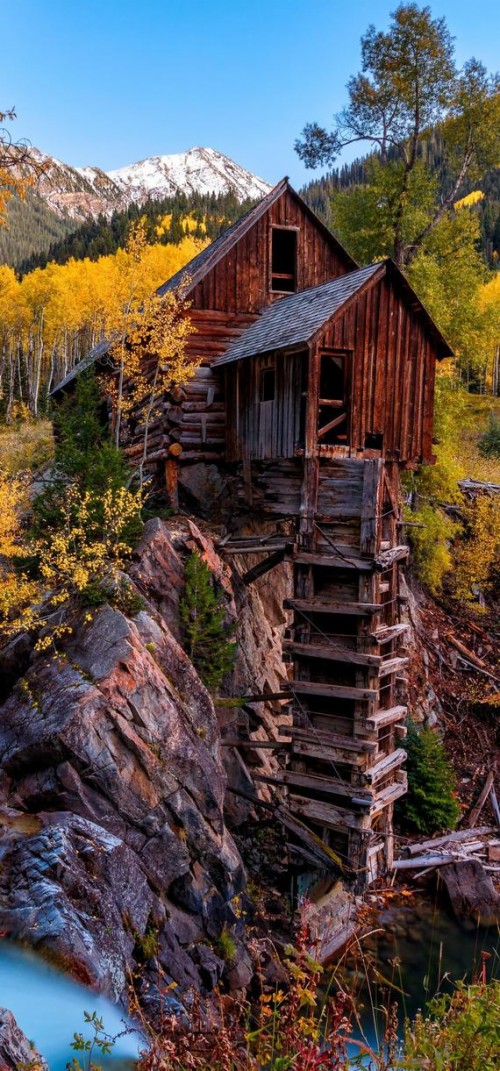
(114, 847)
(15, 1049)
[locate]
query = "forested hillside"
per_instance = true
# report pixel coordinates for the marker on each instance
(319, 192)
(38, 236)
(32, 226)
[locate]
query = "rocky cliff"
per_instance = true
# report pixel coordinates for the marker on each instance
(114, 850)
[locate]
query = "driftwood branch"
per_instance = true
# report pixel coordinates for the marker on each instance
(483, 796)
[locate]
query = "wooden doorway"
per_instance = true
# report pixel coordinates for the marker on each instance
(334, 398)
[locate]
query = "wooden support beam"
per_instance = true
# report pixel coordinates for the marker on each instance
(316, 749)
(334, 561)
(253, 547)
(384, 717)
(348, 743)
(386, 558)
(331, 653)
(316, 783)
(384, 766)
(337, 691)
(264, 567)
(393, 665)
(326, 814)
(370, 506)
(323, 606)
(387, 796)
(388, 632)
(253, 745)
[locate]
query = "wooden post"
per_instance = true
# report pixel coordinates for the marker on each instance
(172, 475)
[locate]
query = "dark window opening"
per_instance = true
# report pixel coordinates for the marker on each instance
(284, 260)
(333, 422)
(373, 441)
(267, 385)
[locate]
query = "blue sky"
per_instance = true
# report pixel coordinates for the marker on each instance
(108, 82)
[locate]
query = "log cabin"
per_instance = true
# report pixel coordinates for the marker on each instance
(314, 390)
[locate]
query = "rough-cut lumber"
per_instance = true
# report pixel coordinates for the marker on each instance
(385, 765)
(329, 785)
(459, 837)
(393, 665)
(264, 567)
(387, 557)
(334, 561)
(384, 717)
(329, 815)
(338, 691)
(348, 743)
(323, 606)
(332, 652)
(424, 861)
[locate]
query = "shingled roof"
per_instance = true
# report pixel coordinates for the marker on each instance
(198, 267)
(294, 320)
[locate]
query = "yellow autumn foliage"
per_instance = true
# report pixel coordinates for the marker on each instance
(473, 198)
(16, 591)
(475, 557)
(54, 316)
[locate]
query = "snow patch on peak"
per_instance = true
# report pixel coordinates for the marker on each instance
(199, 170)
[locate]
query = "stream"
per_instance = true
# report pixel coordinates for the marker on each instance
(421, 949)
(49, 1007)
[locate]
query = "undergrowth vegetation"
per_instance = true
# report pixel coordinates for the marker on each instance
(307, 1023)
(454, 537)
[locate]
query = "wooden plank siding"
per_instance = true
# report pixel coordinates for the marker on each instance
(241, 280)
(393, 367)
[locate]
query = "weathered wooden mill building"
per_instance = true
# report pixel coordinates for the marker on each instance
(315, 390)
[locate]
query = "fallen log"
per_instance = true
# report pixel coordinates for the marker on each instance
(424, 861)
(449, 838)
(469, 655)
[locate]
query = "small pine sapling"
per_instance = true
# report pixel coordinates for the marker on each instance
(430, 804)
(206, 633)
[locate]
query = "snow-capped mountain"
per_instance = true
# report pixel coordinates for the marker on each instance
(80, 192)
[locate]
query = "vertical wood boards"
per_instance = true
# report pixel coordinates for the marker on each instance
(393, 373)
(240, 281)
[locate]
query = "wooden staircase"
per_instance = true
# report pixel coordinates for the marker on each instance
(341, 760)
(346, 643)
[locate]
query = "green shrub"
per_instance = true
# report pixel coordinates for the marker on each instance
(227, 945)
(489, 441)
(206, 635)
(430, 804)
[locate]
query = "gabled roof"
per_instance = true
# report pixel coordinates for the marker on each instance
(198, 267)
(295, 320)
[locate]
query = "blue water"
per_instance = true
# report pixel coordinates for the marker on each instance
(49, 1008)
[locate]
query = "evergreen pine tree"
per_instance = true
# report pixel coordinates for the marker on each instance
(206, 635)
(430, 805)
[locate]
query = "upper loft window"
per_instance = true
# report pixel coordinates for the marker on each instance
(284, 260)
